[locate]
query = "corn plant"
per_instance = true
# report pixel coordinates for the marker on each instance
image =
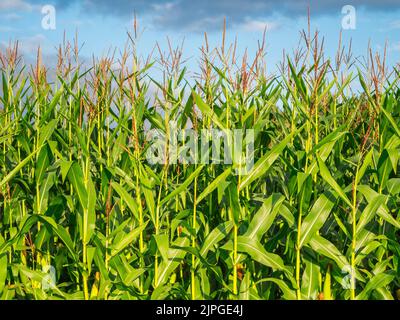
(85, 215)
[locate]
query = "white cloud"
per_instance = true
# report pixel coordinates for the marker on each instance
(258, 25)
(15, 5)
(165, 6)
(30, 45)
(7, 29)
(395, 24)
(197, 25)
(12, 16)
(394, 47)
(390, 26)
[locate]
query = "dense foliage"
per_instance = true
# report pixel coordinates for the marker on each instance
(317, 217)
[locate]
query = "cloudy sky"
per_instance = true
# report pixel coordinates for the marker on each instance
(102, 24)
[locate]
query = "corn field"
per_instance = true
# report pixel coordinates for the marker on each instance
(84, 215)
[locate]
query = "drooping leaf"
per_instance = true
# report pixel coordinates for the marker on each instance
(264, 217)
(316, 218)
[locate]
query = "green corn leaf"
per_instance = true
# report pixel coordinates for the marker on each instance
(183, 187)
(326, 175)
(382, 211)
(126, 240)
(64, 168)
(206, 110)
(174, 258)
(234, 205)
(43, 196)
(13, 172)
(310, 280)
(215, 236)
(62, 233)
(3, 267)
(87, 199)
(328, 285)
(264, 217)
(262, 165)
(127, 198)
(288, 294)
(328, 249)
(47, 131)
(162, 245)
(42, 164)
(213, 185)
(393, 186)
(365, 164)
(75, 176)
(378, 281)
(316, 218)
(254, 249)
(370, 211)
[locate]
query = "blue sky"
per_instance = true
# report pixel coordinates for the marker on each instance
(102, 24)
